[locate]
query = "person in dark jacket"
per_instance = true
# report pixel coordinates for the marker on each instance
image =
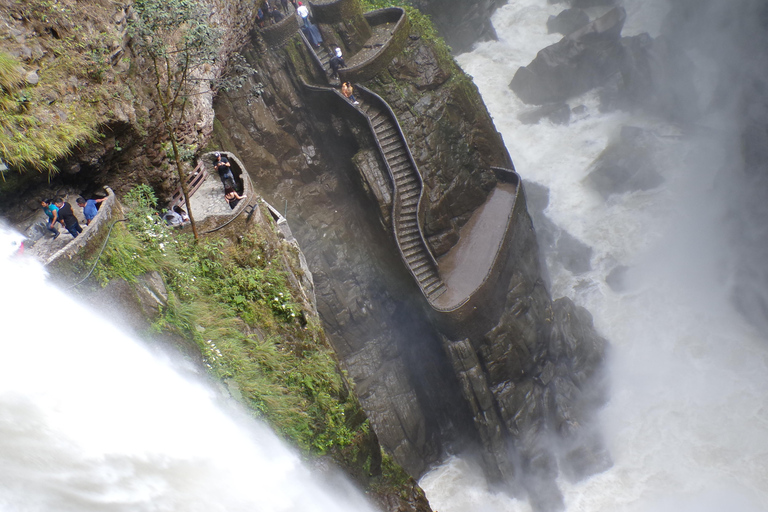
(337, 62)
(67, 218)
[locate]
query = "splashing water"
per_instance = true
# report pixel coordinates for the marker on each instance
(91, 421)
(687, 422)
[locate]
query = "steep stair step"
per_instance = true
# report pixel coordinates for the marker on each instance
(388, 139)
(388, 132)
(421, 264)
(406, 198)
(380, 120)
(412, 253)
(406, 246)
(423, 274)
(392, 145)
(398, 159)
(432, 283)
(437, 292)
(401, 168)
(408, 237)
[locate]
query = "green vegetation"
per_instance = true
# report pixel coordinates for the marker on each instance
(421, 23)
(179, 44)
(237, 304)
(29, 137)
(43, 123)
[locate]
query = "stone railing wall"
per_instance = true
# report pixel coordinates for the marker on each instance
(238, 170)
(92, 235)
(375, 98)
(280, 33)
(481, 310)
(335, 10)
(379, 60)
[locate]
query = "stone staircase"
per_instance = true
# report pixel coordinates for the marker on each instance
(322, 59)
(407, 181)
(408, 189)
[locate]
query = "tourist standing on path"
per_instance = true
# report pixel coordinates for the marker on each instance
(284, 3)
(310, 31)
(225, 170)
(89, 208)
(67, 218)
(348, 92)
(52, 212)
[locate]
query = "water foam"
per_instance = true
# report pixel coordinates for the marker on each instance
(687, 422)
(91, 421)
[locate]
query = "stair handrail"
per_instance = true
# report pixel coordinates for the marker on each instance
(409, 154)
(390, 173)
(314, 56)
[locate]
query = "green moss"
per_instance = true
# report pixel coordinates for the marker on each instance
(420, 23)
(43, 124)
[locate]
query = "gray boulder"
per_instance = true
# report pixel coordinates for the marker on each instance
(579, 62)
(626, 165)
(558, 113)
(567, 21)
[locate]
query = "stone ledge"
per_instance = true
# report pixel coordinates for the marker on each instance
(379, 61)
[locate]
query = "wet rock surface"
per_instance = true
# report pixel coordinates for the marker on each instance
(626, 165)
(461, 22)
(567, 21)
(579, 62)
(504, 390)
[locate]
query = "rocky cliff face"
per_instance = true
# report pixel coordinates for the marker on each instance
(461, 23)
(520, 390)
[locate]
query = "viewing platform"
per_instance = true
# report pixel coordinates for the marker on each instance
(208, 206)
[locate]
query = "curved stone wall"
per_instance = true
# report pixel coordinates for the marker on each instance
(380, 60)
(278, 34)
(92, 235)
(240, 172)
(481, 310)
(335, 10)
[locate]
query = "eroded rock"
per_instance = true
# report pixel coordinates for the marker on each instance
(579, 62)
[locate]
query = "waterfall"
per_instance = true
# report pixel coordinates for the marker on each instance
(687, 421)
(90, 420)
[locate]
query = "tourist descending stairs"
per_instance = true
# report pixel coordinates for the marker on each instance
(322, 59)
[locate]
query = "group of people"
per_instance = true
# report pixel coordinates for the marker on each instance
(59, 211)
(267, 13)
(227, 179)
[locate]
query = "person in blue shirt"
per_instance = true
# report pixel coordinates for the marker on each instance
(89, 208)
(52, 212)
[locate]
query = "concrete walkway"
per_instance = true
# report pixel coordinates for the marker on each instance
(465, 266)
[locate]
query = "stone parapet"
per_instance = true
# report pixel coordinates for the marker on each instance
(481, 310)
(333, 11)
(280, 33)
(92, 235)
(379, 60)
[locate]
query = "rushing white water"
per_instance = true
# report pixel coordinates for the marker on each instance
(91, 421)
(687, 422)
